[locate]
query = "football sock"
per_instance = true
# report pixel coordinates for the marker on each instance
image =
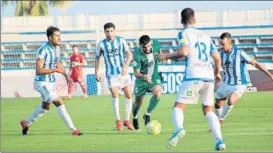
(177, 118)
(83, 87)
(214, 125)
(135, 110)
(115, 104)
(70, 88)
(128, 108)
(153, 103)
(66, 117)
(218, 112)
(37, 113)
(226, 110)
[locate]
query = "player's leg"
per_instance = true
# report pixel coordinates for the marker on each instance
(140, 90)
(206, 94)
(64, 115)
(83, 86)
(222, 93)
(188, 94)
(156, 89)
(219, 103)
(128, 106)
(39, 110)
(115, 104)
(236, 94)
(70, 89)
(136, 106)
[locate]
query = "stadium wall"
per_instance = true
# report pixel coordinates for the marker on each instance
(139, 21)
(14, 85)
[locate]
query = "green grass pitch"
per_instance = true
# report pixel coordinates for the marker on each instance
(248, 128)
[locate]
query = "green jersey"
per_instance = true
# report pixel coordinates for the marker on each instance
(147, 63)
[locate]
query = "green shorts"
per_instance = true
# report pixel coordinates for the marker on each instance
(141, 86)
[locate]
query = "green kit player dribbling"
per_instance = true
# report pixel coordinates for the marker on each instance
(148, 79)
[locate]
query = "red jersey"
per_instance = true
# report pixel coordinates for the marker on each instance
(77, 70)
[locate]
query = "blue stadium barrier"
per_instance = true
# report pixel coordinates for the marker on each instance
(91, 83)
(93, 31)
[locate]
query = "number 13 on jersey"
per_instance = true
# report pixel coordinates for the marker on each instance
(201, 48)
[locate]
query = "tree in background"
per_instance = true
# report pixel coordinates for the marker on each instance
(36, 7)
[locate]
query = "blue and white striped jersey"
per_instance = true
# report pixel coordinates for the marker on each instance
(113, 53)
(50, 56)
(234, 66)
(198, 62)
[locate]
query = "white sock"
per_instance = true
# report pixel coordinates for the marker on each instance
(226, 110)
(148, 113)
(177, 118)
(37, 113)
(218, 112)
(115, 104)
(66, 117)
(214, 125)
(128, 108)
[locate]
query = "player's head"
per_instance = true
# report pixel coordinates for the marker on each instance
(225, 42)
(75, 49)
(109, 30)
(145, 44)
(53, 35)
(187, 17)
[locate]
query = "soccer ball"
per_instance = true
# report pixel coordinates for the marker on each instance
(74, 64)
(153, 127)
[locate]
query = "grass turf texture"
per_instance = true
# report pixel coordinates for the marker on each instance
(249, 127)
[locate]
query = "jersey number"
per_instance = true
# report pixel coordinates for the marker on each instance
(201, 47)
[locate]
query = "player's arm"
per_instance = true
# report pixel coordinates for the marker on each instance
(97, 62)
(39, 65)
(137, 67)
(129, 54)
(181, 52)
(217, 61)
(256, 64)
(60, 65)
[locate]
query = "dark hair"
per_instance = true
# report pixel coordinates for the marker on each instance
(50, 30)
(109, 25)
(75, 46)
(144, 40)
(225, 35)
(187, 14)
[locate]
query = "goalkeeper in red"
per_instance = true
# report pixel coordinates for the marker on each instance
(77, 61)
(148, 78)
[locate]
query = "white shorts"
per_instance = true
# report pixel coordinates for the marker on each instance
(189, 92)
(119, 81)
(225, 90)
(47, 90)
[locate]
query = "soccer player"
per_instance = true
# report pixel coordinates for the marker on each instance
(199, 51)
(114, 48)
(48, 63)
(236, 76)
(147, 76)
(77, 61)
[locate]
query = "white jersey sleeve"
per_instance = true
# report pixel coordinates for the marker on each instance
(183, 39)
(245, 57)
(41, 53)
(125, 46)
